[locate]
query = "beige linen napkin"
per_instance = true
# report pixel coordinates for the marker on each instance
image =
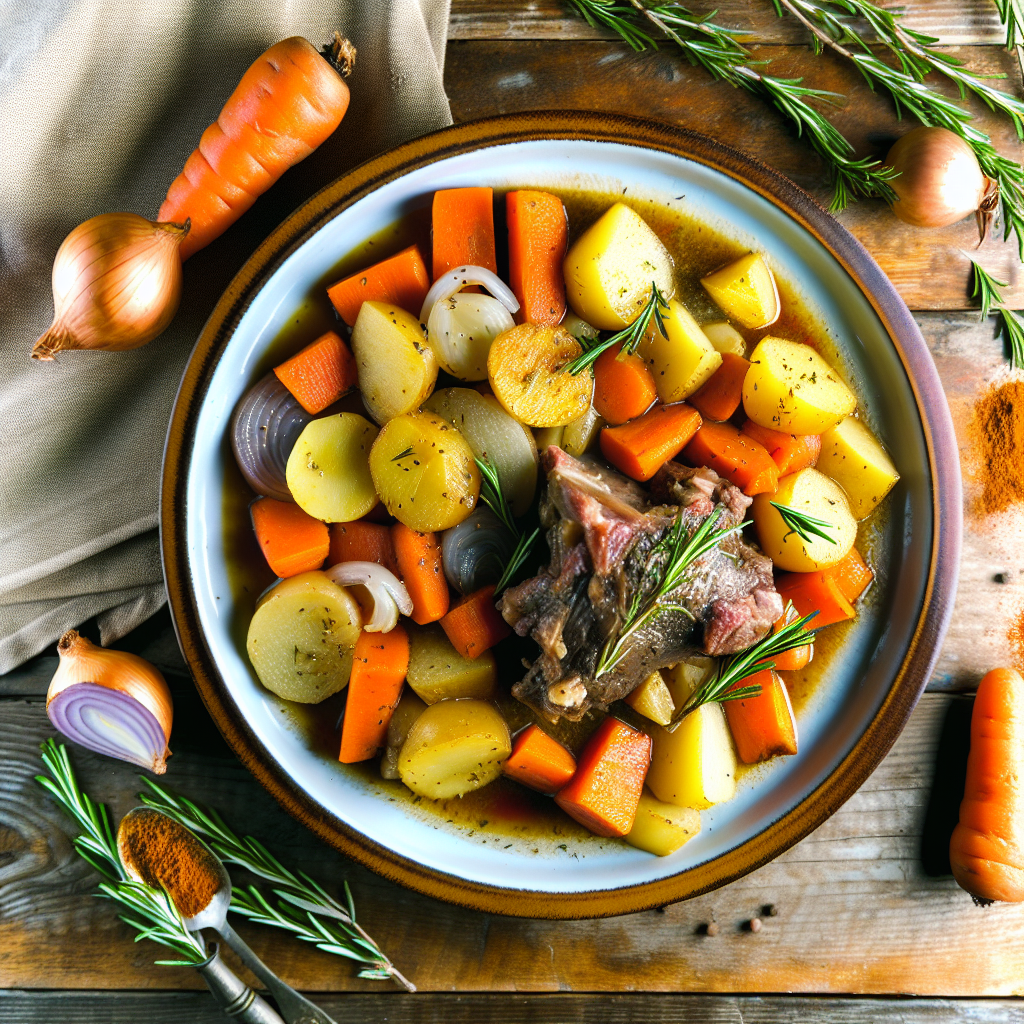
(101, 101)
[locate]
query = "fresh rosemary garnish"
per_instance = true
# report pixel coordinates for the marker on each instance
(719, 686)
(804, 526)
(492, 494)
(402, 455)
(1014, 327)
(1011, 14)
(986, 289)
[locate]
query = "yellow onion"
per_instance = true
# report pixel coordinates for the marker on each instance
(940, 181)
(112, 702)
(116, 284)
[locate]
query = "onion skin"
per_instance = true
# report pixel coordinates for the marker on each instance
(476, 551)
(462, 277)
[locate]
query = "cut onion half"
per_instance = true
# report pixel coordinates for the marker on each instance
(388, 592)
(463, 277)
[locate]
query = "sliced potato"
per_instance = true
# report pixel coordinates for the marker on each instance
(397, 368)
(438, 672)
(661, 828)
(814, 494)
(789, 387)
(653, 700)
(582, 434)
(328, 470)
(745, 290)
(454, 747)
(853, 457)
(682, 360)
(410, 707)
(695, 766)
(526, 369)
(610, 267)
(301, 638)
(424, 472)
(495, 436)
(726, 338)
(684, 678)
(545, 437)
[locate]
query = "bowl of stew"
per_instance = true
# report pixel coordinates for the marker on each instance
(689, 409)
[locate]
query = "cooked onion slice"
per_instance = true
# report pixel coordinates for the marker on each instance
(475, 552)
(461, 328)
(388, 592)
(462, 277)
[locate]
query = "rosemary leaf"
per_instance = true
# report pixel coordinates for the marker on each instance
(1011, 14)
(804, 526)
(1013, 324)
(519, 556)
(985, 289)
(493, 495)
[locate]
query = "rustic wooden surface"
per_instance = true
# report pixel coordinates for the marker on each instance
(857, 913)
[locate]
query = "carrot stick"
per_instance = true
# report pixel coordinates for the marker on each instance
(641, 447)
(762, 726)
(721, 447)
(463, 227)
(401, 280)
(291, 540)
(474, 625)
(379, 664)
(720, 397)
(623, 386)
(604, 793)
(361, 541)
(419, 561)
(815, 592)
(790, 452)
(288, 102)
(852, 575)
(537, 233)
(320, 374)
(538, 761)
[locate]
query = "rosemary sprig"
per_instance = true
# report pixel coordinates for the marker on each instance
(1011, 14)
(341, 934)
(492, 494)
(804, 526)
(1013, 325)
(986, 289)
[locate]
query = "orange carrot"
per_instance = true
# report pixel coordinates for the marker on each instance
(320, 374)
(538, 761)
(641, 447)
(623, 386)
(361, 541)
(474, 625)
(537, 232)
(288, 102)
(852, 575)
(762, 726)
(401, 280)
(721, 447)
(463, 228)
(419, 561)
(604, 793)
(797, 657)
(720, 397)
(790, 452)
(291, 540)
(815, 592)
(986, 850)
(379, 664)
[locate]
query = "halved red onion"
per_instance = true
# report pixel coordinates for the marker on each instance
(266, 424)
(462, 277)
(388, 592)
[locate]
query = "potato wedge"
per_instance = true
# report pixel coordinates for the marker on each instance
(301, 637)
(424, 473)
(853, 457)
(438, 672)
(653, 699)
(609, 269)
(397, 367)
(328, 471)
(745, 290)
(582, 434)
(682, 360)
(526, 369)
(789, 387)
(454, 747)
(725, 338)
(695, 766)
(661, 828)
(814, 494)
(410, 707)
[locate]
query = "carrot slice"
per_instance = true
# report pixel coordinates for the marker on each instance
(419, 561)
(762, 726)
(641, 447)
(360, 541)
(604, 793)
(402, 280)
(537, 233)
(790, 452)
(623, 386)
(539, 761)
(852, 575)
(815, 592)
(379, 664)
(463, 229)
(720, 397)
(320, 374)
(474, 625)
(721, 447)
(291, 540)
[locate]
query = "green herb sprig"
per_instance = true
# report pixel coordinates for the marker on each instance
(492, 494)
(804, 526)
(986, 290)
(1011, 14)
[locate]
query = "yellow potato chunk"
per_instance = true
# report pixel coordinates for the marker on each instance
(609, 269)
(789, 387)
(695, 766)
(410, 707)
(661, 828)
(681, 360)
(454, 747)
(726, 338)
(328, 471)
(652, 699)
(814, 494)
(527, 371)
(397, 367)
(424, 472)
(582, 434)
(438, 672)
(853, 457)
(745, 290)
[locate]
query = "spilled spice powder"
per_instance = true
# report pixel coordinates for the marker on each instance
(1016, 638)
(998, 429)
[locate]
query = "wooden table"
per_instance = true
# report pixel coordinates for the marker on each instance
(859, 922)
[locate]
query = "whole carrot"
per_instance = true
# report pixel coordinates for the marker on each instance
(288, 102)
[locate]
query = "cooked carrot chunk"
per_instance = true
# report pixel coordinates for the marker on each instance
(320, 374)
(291, 540)
(538, 761)
(402, 280)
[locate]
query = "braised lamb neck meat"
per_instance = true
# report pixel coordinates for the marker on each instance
(601, 528)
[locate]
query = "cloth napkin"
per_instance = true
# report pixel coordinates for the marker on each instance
(101, 101)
